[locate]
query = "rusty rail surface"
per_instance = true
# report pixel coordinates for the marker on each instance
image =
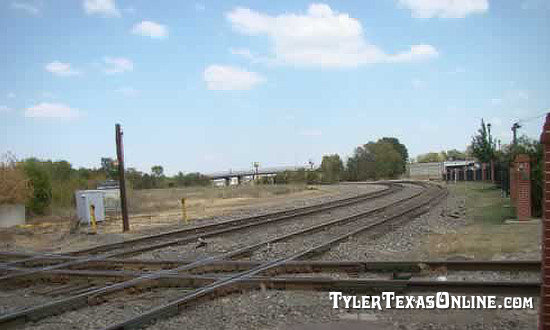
(220, 284)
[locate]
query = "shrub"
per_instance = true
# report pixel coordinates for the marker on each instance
(42, 187)
(15, 188)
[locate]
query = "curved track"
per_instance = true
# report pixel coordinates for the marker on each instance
(326, 235)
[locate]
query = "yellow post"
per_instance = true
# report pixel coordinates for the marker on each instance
(184, 211)
(92, 218)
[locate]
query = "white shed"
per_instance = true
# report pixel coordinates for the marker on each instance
(86, 198)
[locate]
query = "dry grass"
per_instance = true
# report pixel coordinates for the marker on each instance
(487, 235)
(486, 241)
(153, 201)
(15, 188)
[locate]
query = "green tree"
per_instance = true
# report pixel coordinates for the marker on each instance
(42, 187)
(400, 148)
(332, 168)
(483, 146)
(157, 171)
(376, 160)
(387, 160)
(108, 165)
(430, 157)
(454, 154)
(360, 166)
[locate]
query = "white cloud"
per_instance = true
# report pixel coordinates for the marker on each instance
(221, 77)
(106, 8)
(29, 8)
(444, 8)
(51, 110)
(244, 52)
(320, 37)
(150, 29)
(417, 52)
(117, 65)
(61, 69)
(4, 108)
(10, 95)
(311, 132)
(127, 91)
(496, 101)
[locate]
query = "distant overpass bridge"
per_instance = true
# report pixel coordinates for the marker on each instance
(232, 177)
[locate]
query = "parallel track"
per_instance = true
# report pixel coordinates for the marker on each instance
(102, 262)
(145, 280)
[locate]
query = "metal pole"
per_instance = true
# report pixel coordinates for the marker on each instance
(122, 182)
(514, 129)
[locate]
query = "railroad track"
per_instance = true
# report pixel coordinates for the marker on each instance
(431, 195)
(320, 273)
(192, 234)
(145, 244)
(160, 288)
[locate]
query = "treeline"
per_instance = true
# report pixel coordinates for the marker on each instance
(383, 159)
(54, 182)
(155, 179)
(449, 155)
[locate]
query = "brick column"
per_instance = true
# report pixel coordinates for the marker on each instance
(544, 303)
(513, 183)
(523, 187)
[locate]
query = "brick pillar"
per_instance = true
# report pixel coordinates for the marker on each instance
(544, 303)
(492, 171)
(483, 171)
(523, 187)
(513, 183)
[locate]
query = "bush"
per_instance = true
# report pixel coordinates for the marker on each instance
(15, 188)
(42, 187)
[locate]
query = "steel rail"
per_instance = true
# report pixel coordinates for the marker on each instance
(301, 265)
(6, 278)
(225, 227)
(225, 285)
(82, 299)
(320, 283)
(280, 215)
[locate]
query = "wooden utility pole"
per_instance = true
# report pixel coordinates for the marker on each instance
(122, 181)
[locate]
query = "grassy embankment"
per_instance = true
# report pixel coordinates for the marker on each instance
(486, 235)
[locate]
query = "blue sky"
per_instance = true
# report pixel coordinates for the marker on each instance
(213, 85)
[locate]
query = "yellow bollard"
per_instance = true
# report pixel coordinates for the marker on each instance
(184, 211)
(92, 218)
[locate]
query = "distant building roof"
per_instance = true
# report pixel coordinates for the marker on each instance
(108, 184)
(458, 163)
